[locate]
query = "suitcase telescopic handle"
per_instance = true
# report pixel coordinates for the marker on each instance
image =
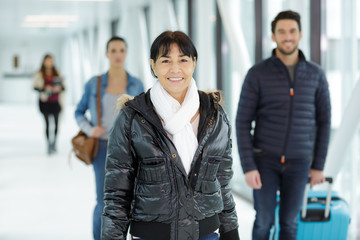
(328, 198)
(327, 179)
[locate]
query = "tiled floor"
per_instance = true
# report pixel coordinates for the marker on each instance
(49, 197)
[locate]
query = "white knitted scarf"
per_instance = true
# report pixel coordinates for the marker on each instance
(177, 119)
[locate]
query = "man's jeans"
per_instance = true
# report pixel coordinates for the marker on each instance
(99, 169)
(290, 178)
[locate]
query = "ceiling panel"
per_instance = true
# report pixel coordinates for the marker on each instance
(13, 12)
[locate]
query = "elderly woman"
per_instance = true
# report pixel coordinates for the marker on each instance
(169, 163)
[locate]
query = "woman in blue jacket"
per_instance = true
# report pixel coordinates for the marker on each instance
(114, 83)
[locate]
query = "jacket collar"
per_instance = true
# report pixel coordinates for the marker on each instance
(300, 66)
(275, 58)
(301, 55)
(143, 105)
(105, 78)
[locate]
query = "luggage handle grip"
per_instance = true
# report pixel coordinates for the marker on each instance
(327, 179)
(328, 198)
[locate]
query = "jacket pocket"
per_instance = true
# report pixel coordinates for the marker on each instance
(153, 170)
(209, 187)
(212, 168)
(209, 200)
(152, 199)
(258, 152)
(153, 190)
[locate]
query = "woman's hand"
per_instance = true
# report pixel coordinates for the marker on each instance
(56, 89)
(97, 131)
(48, 88)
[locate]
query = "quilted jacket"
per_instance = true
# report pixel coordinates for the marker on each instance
(146, 185)
(292, 119)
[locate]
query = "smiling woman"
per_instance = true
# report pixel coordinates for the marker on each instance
(169, 163)
(173, 63)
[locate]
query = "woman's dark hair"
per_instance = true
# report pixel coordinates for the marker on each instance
(42, 68)
(286, 15)
(163, 42)
(115, 38)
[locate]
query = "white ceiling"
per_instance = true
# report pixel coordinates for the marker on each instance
(13, 12)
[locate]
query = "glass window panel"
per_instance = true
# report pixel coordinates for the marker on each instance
(342, 70)
(244, 11)
(181, 11)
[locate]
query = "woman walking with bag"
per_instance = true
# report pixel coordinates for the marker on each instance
(114, 83)
(169, 163)
(50, 85)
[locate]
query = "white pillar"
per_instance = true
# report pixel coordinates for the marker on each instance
(162, 18)
(204, 41)
(234, 32)
(133, 28)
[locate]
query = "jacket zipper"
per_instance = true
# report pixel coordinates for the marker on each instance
(291, 93)
(209, 120)
(169, 156)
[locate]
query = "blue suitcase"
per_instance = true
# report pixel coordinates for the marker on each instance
(323, 216)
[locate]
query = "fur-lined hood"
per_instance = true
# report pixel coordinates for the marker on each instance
(120, 102)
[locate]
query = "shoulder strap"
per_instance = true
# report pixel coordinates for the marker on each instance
(98, 105)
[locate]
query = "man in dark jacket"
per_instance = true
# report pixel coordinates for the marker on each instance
(288, 99)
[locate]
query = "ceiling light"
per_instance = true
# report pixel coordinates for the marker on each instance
(48, 21)
(51, 18)
(45, 25)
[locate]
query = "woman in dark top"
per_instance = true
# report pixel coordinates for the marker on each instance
(49, 83)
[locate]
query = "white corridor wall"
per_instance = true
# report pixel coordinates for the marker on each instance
(18, 88)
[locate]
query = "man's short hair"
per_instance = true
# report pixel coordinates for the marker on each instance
(286, 15)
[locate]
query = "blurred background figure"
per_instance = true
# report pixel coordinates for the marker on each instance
(278, 156)
(50, 84)
(114, 83)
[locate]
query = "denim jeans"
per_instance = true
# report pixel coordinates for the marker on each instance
(212, 236)
(99, 169)
(290, 178)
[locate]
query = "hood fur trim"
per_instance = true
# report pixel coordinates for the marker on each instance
(218, 96)
(120, 102)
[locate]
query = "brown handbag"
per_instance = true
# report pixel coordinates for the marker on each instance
(84, 147)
